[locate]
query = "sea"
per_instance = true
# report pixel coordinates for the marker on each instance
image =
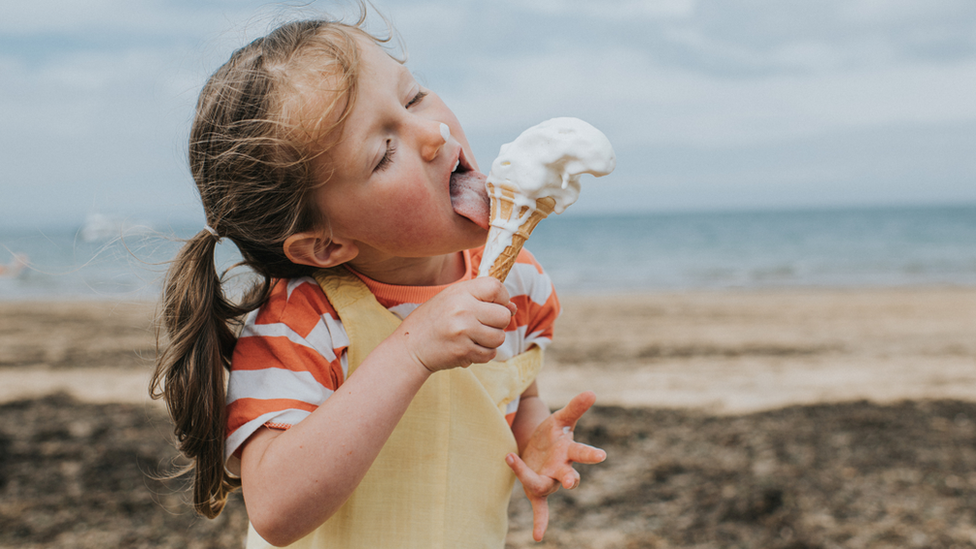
(111, 259)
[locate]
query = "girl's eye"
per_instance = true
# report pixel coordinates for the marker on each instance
(390, 149)
(387, 157)
(417, 98)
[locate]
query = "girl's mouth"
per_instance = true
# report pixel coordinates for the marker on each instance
(469, 197)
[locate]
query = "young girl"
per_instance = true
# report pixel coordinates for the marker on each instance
(379, 394)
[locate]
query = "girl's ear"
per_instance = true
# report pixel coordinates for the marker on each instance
(314, 249)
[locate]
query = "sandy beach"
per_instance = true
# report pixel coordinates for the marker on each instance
(722, 352)
(792, 418)
(735, 352)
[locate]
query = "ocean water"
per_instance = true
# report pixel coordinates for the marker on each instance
(881, 247)
(920, 246)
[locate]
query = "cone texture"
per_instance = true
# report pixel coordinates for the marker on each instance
(504, 207)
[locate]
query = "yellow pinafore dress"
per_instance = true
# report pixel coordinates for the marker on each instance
(440, 481)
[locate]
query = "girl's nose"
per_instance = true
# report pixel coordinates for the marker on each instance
(434, 141)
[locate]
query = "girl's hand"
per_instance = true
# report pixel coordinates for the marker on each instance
(460, 326)
(549, 456)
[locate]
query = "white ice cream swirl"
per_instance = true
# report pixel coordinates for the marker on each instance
(549, 158)
(546, 160)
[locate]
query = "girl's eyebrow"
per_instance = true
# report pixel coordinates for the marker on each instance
(406, 78)
(405, 82)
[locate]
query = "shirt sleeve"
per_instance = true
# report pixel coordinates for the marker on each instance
(289, 358)
(532, 292)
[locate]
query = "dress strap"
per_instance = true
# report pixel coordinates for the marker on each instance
(367, 323)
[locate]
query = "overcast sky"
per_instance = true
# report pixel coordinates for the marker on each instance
(709, 105)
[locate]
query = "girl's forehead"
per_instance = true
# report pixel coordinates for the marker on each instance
(327, 104)
(374, 58)
(316, 103)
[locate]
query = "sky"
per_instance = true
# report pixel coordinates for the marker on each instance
(754, 104)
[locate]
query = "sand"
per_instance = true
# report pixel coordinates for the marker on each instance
(722, 352)
(774, 419)
(741, 352)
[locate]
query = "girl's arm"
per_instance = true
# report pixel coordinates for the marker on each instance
(532, 411)
(296, 479)
(547, 450)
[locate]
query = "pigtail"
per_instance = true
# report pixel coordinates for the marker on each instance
(201, 327)
(251, 152)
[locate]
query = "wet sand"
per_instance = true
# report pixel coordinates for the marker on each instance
(800, 418)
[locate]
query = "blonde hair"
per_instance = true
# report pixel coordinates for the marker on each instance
(250, 155)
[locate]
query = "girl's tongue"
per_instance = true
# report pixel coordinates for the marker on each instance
(470, 198)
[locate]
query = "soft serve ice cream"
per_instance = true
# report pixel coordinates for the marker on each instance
(535, 175)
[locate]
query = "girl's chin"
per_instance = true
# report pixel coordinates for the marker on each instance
(474, 236)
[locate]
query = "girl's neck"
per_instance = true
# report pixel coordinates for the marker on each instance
(415, 271)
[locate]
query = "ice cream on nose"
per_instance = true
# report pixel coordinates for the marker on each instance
(535, 175)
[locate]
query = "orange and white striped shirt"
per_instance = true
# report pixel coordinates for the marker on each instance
(291, 354)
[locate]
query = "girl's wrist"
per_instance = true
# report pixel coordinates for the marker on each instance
(397, 352)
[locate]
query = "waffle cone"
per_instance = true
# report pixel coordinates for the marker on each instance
(504, 207)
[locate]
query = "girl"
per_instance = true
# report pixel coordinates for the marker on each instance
(352, 191)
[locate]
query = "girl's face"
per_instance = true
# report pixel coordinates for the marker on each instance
(390, 189)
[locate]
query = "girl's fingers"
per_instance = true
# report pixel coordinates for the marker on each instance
(533, 482)
(570, 414)
(490, 290)
(494, 315)
(480, 355)
(584, 453)
(485, 336)
(540, 517)
(571, 479)
(537, 488)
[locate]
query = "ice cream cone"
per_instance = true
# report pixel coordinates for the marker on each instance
(504, 243)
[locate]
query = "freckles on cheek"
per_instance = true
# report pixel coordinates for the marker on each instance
(414, 225)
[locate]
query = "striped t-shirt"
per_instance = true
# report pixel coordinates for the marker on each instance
(291, 354)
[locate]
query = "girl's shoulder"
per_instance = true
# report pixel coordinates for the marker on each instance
(296, 302)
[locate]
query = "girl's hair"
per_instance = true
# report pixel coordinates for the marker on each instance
(251, 148)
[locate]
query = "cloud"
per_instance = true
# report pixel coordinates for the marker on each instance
(650, 103)
(910, 12)
(611, 10)
(96, 97)
(123, 18)
(716, 75)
